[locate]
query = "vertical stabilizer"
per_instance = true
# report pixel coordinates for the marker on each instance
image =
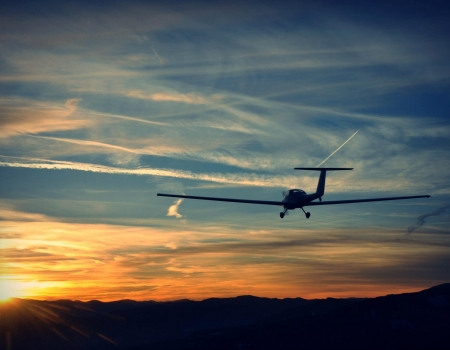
(323, 173)
(321, 185)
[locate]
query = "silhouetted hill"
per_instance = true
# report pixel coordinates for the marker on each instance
(407, 321)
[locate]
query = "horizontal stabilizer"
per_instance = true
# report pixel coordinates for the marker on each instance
(320, 169)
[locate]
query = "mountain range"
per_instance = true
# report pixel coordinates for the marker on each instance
(418, 320)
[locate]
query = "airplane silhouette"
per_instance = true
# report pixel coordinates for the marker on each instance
(296, 198)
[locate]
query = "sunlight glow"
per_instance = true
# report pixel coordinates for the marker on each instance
(10, 288)
(20, 287)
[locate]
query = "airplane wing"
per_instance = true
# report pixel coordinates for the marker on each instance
(363, 200)
(223, 199)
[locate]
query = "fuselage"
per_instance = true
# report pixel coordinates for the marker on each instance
(296, 198)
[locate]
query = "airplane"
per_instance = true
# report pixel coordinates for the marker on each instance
(296, 198)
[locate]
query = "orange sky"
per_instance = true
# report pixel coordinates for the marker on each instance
(47, 259)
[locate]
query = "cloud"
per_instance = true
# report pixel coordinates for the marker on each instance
(421, 220)
(174, 187)
(335, 184)
(183, 122)
(72, 104)
(124, 159)
(10, 213)
(186, 98)
(97, 261)
(142, 60)
(173, 209)
(132, 119)
(190, 98)
(23, 116)
(90, 143)
(32, 254)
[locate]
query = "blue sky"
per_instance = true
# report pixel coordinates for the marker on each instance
(102, 105)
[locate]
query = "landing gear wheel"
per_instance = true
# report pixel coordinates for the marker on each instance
(281, 215)
(307, 214)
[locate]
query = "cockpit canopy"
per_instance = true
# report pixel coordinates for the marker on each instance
(295, 190)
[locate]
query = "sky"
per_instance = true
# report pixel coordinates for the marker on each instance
(105, 104)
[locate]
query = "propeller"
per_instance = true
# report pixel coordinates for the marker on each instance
(284, 193)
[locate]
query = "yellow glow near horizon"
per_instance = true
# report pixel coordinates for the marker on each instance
(10, 288)
(18, 287)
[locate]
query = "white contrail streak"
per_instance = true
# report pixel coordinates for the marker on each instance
(139, 120)
(318, 165)
(232, 179)
(88, 143)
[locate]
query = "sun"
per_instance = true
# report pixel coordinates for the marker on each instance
(26, 287)
(12, 287)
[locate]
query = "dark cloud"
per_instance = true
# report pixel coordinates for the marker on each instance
(421, 220)
(141, 255)
(408, 268)
(33, 254)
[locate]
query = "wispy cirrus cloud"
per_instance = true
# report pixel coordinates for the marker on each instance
(334, 184)
(190, 98)
(23, 116)
(10, 213)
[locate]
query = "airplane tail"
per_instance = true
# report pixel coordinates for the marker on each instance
(323, 173)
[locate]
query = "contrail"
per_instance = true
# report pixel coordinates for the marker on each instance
(235, 179)
(89, 143)
(421, 219)
(160, 60)
(337, 149)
